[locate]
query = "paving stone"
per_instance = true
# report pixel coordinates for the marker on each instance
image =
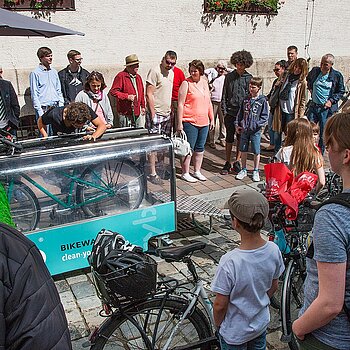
(68, 300)
(78, 344)
(273, 339)
(93, 319)
(77, 279)
(166, 269)
(77, 330)
(74, 315)
(62, 286)
(83, 289)
(220, 240)
(89, 303)
(216, 256)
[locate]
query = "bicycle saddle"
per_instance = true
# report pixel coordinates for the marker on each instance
(178, 253)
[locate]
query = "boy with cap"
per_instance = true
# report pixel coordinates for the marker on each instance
(246, 277)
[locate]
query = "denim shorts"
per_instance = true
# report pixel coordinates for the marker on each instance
(258, 343)
(196, 136)
(250, 137)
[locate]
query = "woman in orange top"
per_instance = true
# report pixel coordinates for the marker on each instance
(194, 117)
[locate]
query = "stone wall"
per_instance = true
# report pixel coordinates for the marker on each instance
(114, 29)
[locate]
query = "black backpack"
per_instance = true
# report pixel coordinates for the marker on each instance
(342, 199)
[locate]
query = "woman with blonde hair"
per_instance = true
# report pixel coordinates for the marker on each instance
(299, 152)
(324, 322)
(292, 99)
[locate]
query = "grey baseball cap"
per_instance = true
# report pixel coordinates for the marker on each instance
(245, 203)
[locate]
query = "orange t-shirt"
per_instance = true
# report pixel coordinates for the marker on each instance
(197, 103)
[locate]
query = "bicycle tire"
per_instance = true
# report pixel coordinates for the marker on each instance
(292, 300)
(121, 188)
(24, 206)
(113, 333)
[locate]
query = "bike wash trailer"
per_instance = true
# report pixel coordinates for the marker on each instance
(62, 191)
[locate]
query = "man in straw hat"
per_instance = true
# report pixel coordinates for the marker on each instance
(128, 89)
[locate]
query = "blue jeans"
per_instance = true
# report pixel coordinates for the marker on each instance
(319, 115)
(250, 137)
(258, 343)
(196, 136)
(285, 119)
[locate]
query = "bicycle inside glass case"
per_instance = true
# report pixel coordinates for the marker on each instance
(63, 190)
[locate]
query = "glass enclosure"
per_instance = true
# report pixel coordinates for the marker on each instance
(66, 187)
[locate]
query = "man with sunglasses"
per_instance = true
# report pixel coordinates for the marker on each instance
(159, 86)
(128, 89)
(72, 77)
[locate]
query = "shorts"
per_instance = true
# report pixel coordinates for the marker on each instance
(160, 124)
(229, 121)
(250, 137)
(196, 136)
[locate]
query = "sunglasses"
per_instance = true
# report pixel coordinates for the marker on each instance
(78, 59)
(169, 63)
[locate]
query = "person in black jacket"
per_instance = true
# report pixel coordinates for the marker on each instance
(72, 77)
(9, 107)
(31, 314)
(326, 86)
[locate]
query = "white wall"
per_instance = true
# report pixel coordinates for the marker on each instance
(115, 29)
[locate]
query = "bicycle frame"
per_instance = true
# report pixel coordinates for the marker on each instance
(195, 294)
(69, 204)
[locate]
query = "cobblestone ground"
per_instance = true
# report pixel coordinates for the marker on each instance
(82, 305)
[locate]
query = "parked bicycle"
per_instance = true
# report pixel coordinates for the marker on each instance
(103, 188)
(141, 314)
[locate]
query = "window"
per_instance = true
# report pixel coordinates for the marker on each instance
(25, 5)
(242, 6)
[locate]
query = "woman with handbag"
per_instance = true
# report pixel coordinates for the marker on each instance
(194, 117)
(292, 99)
(94, 96)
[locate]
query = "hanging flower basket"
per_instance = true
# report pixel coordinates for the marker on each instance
(39, 4)
(243, 6)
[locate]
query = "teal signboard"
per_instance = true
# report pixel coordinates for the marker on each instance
(67, 247)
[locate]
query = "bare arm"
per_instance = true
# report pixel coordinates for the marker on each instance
(220, 308)
(150, 89)
(100, 129)
(273, 288)
(180, 104)
(329, 301)
(321, 181)
(42, 128)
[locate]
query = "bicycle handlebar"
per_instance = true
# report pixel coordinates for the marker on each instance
(9, 143)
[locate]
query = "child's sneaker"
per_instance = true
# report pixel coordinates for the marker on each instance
(226, 168)
(198, 175)
(256, 176)
(242, 174)
(187, 177)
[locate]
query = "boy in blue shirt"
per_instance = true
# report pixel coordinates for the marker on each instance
(246, 277)
(252, 116)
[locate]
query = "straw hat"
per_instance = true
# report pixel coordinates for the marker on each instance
(131, 60)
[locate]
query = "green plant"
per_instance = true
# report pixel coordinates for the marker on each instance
(34, 4)
(243, 5)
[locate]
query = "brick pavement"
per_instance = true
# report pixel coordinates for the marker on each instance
(76, 290)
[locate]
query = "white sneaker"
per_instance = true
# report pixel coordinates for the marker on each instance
(187, 177)
(256, 176)
(242, 174)
(198, 175)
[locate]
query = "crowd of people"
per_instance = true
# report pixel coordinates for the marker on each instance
(299, 133)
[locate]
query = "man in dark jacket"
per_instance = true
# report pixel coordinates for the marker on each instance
(31, 313)
(72, 77)
(9, 107)
(326, 86)
(236, 87)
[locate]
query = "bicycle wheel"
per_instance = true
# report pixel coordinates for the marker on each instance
(292, 300)
(110, 188)
(24, 206)
(124, 333)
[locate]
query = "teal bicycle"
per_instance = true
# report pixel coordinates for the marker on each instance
(105, 188)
